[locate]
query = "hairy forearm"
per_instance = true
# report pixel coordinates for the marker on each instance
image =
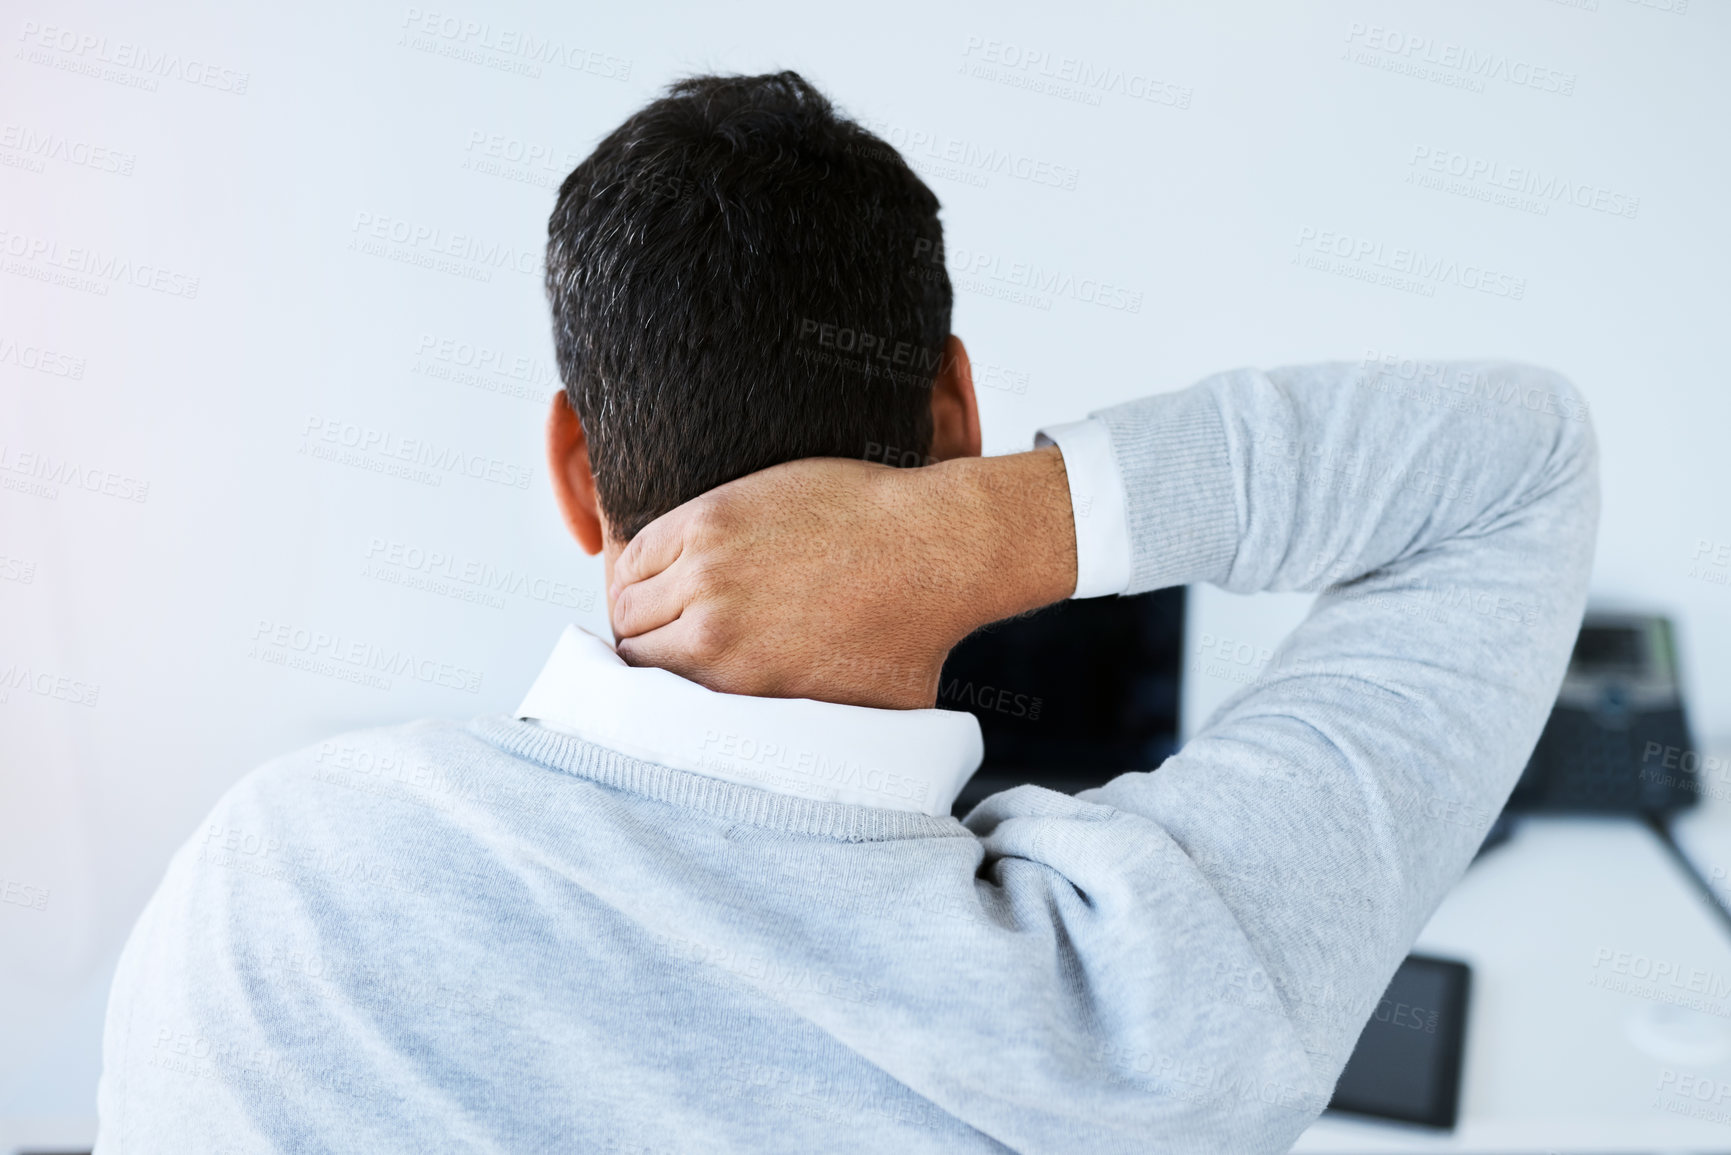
(1005, 536)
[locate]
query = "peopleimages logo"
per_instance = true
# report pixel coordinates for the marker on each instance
(745, 754)
(993, 698)
(17, 569)
(507, 49)
(23, 894)
(1517, 186)
(86, 268)
(1413, 270)
(46, 685)
(1426, 58)
(85, 52)
(1662, 972)
(46, 473)
(424, 244)
(973, 162)
(354, 660)
(1463, 386)
(45, 146)
(511, 158)
(975, 270)
(1711, 562)
(886, 353)
(465, 578)
(491, 370)
(1066, 77)
(382, 451)
(40, 359)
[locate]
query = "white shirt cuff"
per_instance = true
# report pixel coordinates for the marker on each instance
(1097, 504)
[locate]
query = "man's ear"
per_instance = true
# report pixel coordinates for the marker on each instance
(573, 480)
(955, 411)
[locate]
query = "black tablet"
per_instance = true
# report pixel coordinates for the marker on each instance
(1407, 1064)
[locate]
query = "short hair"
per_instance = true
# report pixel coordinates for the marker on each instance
(740, 276)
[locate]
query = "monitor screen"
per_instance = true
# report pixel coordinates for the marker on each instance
(1073, 695)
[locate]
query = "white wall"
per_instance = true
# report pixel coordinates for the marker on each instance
(1268, 123)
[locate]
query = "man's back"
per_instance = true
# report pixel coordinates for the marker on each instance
(501, 938)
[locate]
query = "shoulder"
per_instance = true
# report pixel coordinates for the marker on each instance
(315, 861)
(352, 807)
(379, 747)
(352, 772)
(368, 823)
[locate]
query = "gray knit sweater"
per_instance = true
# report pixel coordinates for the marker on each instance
(494, 938)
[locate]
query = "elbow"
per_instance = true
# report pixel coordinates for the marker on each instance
(1575, 452)
(1562, 487)
(1567, 451)
(1576, 419)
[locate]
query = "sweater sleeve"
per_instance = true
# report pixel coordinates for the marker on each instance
(1288, 856)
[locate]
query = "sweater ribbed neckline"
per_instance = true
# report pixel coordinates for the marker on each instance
(766, 808)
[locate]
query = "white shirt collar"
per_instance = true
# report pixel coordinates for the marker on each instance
(914, 760)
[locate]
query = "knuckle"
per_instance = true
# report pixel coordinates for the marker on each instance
(710, 637)
(703, 575)
(711, 578)
(715, 516)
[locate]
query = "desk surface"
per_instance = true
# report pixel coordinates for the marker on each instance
(1600, 1018)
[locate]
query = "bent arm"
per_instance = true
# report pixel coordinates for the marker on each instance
(1322, 813)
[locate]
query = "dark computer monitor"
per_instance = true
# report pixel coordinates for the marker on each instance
(1073, 695)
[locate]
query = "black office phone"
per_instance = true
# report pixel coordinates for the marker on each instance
(1617, 741)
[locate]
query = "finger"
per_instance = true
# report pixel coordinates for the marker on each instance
(656, 546)
(688, 648)
(658, 647)
(651, 602)
(667, 648)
